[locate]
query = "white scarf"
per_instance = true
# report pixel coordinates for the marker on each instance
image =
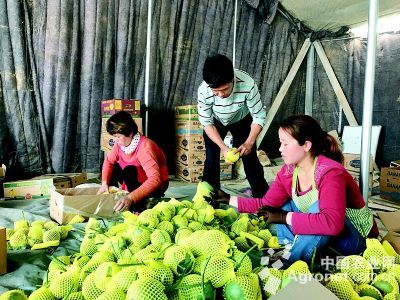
(132, 146)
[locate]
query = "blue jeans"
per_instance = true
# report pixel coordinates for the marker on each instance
(348, 242)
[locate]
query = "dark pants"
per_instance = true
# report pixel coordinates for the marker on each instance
(129, 176)
(252, 167)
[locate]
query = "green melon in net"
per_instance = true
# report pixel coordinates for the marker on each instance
(88, 246)
(140, 236)
(51, 235)
(13, 295)
(241, 287)
(195, 240)
(195, 225)
(146, 289)
(219, 270)
(356, 267)
(65, 283)
(191, 288)
(395, 271)
(386, 283)
(59, 263)
(35, 234)
(89, 289)
(368, 290)
(104, 273)
(342, 287)
(114, 294)
(241, 258)
(182, 235)
(149, 218)
(97, 259)
(42, 293)
(167, 226)
(215, 242)
(156, 270)
(377, 255)
(392, 296)
(179, 221)
(160, 237)
(19, 239)
(49, 225)
(180, 259)
(20, 224)
(123, 279)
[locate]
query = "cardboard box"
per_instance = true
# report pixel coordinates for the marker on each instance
(391, 221)
(112, 106)
(190, 158)
(66, 203)
(3, 251)
(390, 183)
(188, 127)
(194, 174)
(352, 162)
(309, 289)
(186, 112)
(107, 140)
(191, 142)
(28, 189)
(65, 180)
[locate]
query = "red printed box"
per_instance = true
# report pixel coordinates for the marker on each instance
(112, 106)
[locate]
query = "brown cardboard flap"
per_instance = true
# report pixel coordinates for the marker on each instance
(66, 203)
(390, 220)
(393, 237)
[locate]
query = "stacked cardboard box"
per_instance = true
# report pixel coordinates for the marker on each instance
(190, 149)
(352, 164)
(112, 106)
(40, 186)
(390, 182)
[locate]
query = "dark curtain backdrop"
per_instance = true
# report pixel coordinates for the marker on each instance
(59, 59)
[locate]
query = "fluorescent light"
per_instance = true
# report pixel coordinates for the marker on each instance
(390, 23)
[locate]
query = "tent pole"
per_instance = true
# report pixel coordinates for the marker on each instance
(308, 109)
(147, 70)
(368, 97)
(234, 36)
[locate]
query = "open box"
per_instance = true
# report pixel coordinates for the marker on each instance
(391, 222)
(66, 203)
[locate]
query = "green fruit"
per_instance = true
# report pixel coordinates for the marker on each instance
(231, 156)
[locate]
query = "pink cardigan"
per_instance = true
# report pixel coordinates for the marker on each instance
(337, 190)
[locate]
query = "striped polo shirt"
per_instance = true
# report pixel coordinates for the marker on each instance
(244, 99)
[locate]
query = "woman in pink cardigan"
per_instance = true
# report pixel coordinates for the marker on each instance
(136, 162)
(313, 201)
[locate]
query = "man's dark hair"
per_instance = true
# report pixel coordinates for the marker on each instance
(217, 70)
(122, 123)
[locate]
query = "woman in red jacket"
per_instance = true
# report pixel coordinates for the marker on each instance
(136, 162)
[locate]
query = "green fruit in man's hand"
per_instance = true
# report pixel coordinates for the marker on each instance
(232, 156)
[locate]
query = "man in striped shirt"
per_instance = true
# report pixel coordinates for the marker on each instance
(228, 100)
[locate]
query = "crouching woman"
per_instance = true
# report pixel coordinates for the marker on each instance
(136, 162)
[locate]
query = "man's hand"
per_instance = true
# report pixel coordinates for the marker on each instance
(219, 197)
(245, 148)
(272, 215)
(123, 204)
(102, 189)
